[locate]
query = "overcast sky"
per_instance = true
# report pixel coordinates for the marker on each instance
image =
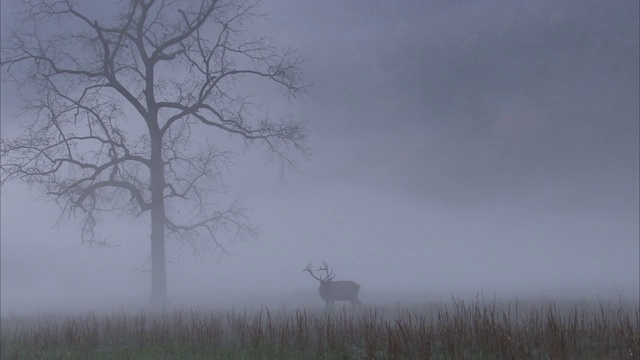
(457, 147)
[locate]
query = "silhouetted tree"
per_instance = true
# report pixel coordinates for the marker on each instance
(120, 110)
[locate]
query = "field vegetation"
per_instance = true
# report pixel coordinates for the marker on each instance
(473, 329)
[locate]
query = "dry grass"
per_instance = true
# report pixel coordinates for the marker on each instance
(456, 330)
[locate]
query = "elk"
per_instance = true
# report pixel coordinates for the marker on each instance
(331, 291)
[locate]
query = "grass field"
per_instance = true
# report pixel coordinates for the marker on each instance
(456, 329)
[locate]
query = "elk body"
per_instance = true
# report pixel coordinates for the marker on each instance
(331, 291)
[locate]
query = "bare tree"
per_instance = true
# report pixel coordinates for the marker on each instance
(122, 114)
(331, 290)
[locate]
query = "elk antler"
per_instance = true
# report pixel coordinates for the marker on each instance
(325, 268)
(308, 269)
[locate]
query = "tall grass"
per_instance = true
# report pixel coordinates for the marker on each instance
(456, 330)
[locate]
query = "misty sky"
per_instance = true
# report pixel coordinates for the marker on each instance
(457, 147)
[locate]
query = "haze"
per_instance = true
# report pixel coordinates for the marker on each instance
(458, 147)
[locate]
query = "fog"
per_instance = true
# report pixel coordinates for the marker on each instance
(457, 148)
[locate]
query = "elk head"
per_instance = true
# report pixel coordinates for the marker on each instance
(331, 291)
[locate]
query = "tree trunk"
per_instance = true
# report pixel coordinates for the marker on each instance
(158, 260)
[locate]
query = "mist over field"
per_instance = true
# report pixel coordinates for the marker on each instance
(457, 148)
